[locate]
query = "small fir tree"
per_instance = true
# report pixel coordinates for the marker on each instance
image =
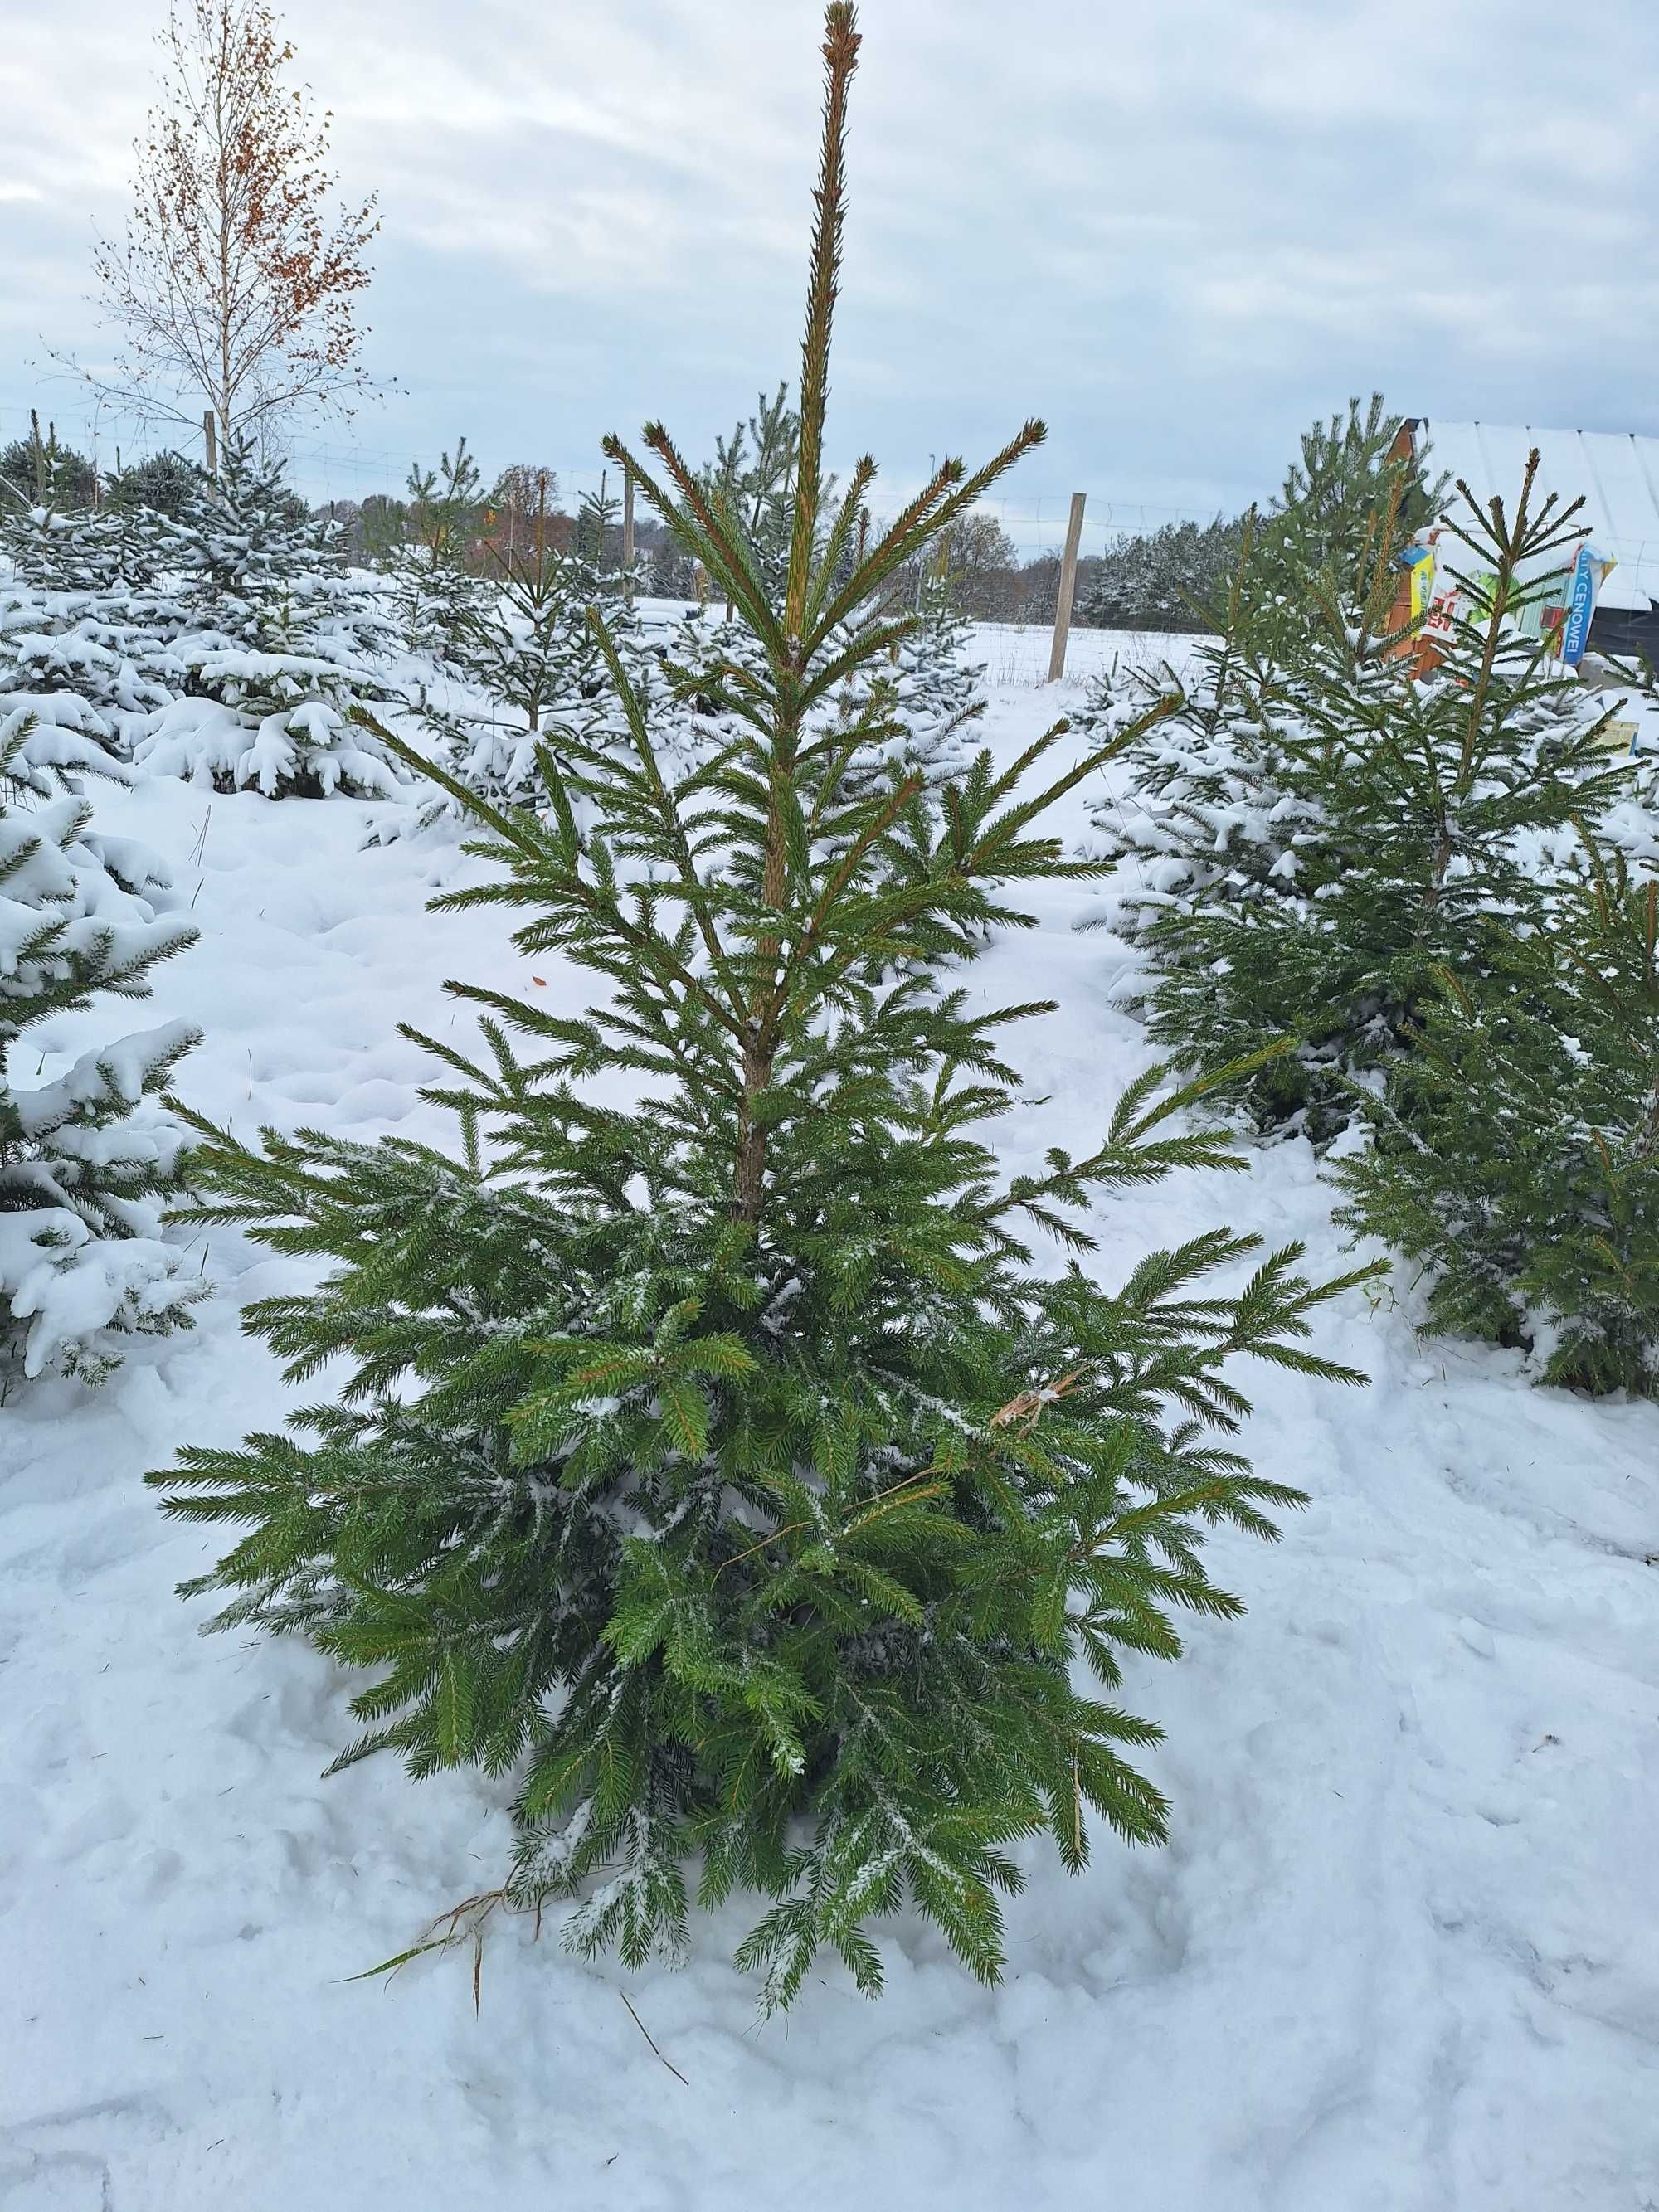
(752, 479)
(104, 660)
(534, 653)
(1323, 828)
(717, 1463)
(40, 471)
(1205, 801)
(750, 484)
(59, 541)
(1322, 531)
(1514, 1158)
(438, 589)
(162, 484)
(90, 612)
(598, 541)
(84, 1158)
(521, 648)
(284, 644)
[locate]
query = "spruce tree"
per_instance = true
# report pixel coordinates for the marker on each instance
(708, 656)
(90, 614)
(1322, 530)
(40, 471)
(1168, 579)
(84, 1158)
(282, 644)
(438, 590)
(599, 530)
(533, 651)
(1322, 828)
(751, 482)
(912, 702)
(82, 550)
(752, 479)
(162, 484)
(713, 1458)
(1515, 1156)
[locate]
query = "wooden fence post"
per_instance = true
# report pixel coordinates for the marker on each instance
(1068, 587)
(210, 434)
(628, 540)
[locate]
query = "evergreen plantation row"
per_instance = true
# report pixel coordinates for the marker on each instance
(1412, 893)
(1161, 579)
(725, 1468)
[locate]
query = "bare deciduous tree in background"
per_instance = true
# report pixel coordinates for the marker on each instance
(239, 276)
(523, 492)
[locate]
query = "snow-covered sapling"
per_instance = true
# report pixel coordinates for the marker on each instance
(282, 644)
(528, 646)
(84, 1159)
(89, 617)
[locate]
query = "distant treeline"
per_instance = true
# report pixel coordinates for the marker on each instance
(1155, 579)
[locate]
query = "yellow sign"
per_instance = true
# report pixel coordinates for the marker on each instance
(1419, 565)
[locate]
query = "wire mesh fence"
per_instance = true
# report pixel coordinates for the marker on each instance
(344, 469)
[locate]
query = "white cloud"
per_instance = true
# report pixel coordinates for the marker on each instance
(1180, 231)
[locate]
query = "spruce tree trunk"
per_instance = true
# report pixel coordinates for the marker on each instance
(751, 1134)
(760, 1045)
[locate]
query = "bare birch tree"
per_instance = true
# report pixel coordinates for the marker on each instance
(239, 276)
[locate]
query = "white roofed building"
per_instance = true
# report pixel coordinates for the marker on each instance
(1617, 475)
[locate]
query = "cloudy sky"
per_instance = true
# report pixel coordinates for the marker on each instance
(1178, 231)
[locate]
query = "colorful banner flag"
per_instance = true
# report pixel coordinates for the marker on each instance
(1589, 571)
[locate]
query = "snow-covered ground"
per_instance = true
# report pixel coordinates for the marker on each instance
(1402, 1955)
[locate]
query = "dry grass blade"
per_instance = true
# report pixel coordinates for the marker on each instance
(651, 2039)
